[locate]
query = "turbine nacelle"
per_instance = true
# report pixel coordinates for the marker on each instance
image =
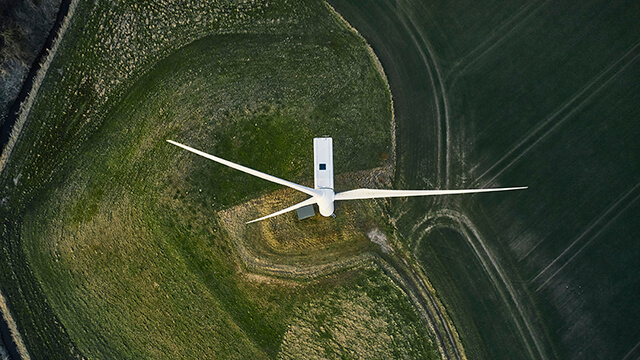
(323, 193)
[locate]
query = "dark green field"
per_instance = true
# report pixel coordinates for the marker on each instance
(503, 93)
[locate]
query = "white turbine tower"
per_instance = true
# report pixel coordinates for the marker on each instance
(323, 193)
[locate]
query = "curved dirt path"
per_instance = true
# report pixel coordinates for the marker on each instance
(458, 222)
(419, 103)
(421, 107)
(393, 262)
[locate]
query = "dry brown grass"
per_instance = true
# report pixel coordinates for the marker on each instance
(349, 324)
(311, 246)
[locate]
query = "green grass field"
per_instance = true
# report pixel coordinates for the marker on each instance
(113, 241)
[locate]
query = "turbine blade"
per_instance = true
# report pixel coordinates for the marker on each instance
(379, 193)
(247, 170)
(309, 201)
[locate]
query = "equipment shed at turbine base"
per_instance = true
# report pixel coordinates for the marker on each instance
(306, 212)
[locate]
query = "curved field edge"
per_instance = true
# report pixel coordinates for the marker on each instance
(86, 211)
(416, 63)
(432, 230)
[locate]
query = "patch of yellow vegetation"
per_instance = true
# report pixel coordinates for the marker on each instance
(315, 241)
(347, 324)
(285, 234)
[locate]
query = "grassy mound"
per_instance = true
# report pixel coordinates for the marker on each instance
(123, 231)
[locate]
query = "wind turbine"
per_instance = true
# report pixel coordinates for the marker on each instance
(322, 193)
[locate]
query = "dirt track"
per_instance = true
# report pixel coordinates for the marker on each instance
(421, 107)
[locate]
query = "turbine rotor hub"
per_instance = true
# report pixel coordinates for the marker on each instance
(325, 201)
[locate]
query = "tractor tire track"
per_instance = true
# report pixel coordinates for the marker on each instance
(601, 223)
(440, 98)
(634, 353)
(422, 295)
(460, 223)
(256, 265)
(566, 110)
(497, 36)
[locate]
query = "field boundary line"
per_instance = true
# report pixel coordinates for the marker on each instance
(23, 114)
(13, 329)
(383, 74)
(25, 106)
